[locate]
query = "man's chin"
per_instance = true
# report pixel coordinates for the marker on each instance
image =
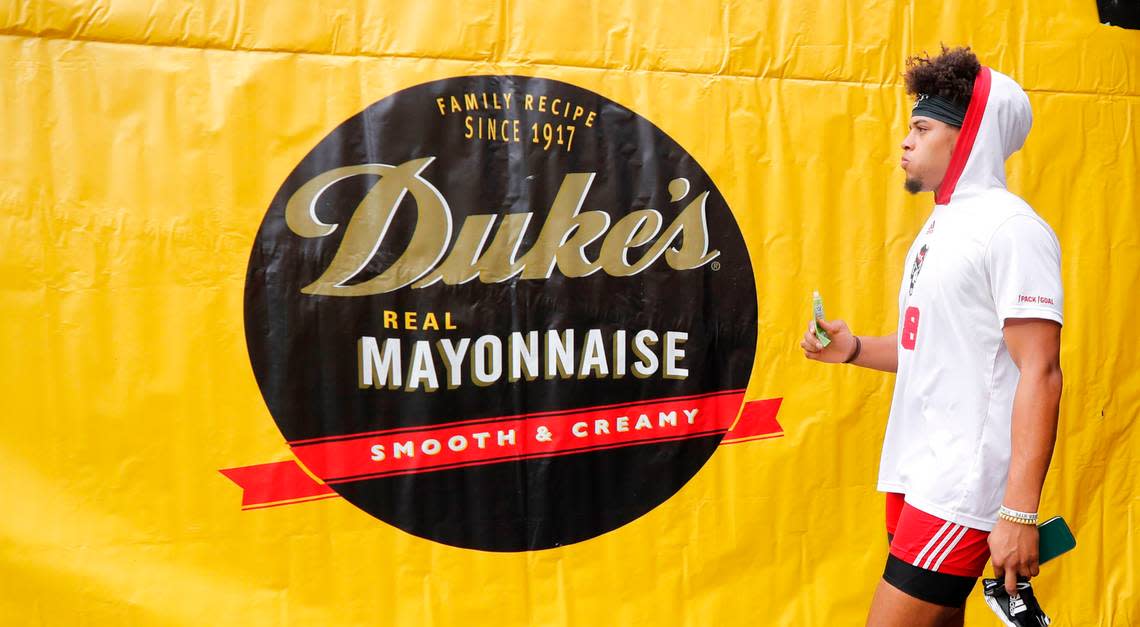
(913, 186)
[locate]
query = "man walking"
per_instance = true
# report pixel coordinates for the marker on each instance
(974, 413)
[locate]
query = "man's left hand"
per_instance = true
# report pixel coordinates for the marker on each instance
(1014, 552)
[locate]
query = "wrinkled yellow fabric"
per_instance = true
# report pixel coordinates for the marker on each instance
(141, 143)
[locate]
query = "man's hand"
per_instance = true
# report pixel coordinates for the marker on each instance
(1014, 552)
(841, 347)
(1034, 346)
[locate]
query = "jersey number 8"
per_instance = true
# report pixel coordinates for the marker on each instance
(910, 328)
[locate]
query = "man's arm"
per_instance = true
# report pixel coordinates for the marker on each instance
(1034, 344)
(878, 353)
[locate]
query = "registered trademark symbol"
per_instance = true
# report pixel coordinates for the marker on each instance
(715, 266)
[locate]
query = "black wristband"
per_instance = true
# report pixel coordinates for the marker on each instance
(855, 353)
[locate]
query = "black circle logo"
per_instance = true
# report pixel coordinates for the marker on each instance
(500, 312)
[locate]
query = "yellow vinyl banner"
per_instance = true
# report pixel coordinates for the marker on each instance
(436, 313)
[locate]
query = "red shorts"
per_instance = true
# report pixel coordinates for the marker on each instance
(933, 544)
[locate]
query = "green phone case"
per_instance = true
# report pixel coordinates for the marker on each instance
(1055, 539)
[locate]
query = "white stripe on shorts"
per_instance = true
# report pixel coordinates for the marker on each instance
(931, 543)
(949, 549)
(945, 540)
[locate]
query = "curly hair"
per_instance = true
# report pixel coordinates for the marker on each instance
(949, 75)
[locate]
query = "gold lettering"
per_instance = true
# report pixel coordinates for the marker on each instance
(410, 320)
(468, 259)
(442, 105)
(694, 251)
(470, 131)
(528, 102)
(460, 265)
(447, 322)
(561, 241)
(566, 233)
(470, 101)
(368, 225)
(455, 104)
(391, 321)
(635, 229)
(430, 323)
(500, 261)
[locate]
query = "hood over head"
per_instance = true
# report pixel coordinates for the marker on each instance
(996, 125)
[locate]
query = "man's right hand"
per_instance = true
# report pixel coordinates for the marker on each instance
(841, 347)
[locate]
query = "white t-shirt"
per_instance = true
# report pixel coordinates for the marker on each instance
(977, 262)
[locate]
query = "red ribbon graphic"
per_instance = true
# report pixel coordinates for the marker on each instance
(340, 459)
(276, 483)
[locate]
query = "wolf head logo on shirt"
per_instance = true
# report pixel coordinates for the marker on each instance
(918, 259)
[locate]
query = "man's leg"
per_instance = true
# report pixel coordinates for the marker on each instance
(931, 568)
(892, 607)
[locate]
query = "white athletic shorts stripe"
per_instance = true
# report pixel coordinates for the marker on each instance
(918, 559)
(945, 540)
(949, 549)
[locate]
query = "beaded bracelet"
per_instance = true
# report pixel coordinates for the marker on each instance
(1014, 516)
